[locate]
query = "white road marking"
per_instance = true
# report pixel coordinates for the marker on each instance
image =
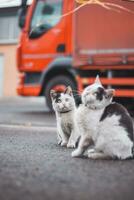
(32, 127)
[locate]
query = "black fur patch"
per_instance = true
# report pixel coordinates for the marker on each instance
(57, 97)
(100, 93)
(125, 120)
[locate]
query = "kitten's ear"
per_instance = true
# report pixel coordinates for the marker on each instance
(53, 94)
(68, 91)
(97, 80)
(110, 92)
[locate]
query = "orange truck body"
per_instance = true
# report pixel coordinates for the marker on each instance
(92, 40)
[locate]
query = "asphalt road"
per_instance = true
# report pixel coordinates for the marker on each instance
(25, 111)
(34, 167)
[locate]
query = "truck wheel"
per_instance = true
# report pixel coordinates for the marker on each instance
(57, 83)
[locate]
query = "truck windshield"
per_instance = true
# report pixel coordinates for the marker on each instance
(46, 15)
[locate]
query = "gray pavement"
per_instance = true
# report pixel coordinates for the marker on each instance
(25, 111)
(34, 167)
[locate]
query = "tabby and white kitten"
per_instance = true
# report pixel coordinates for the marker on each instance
(64, 107)
(105, 124)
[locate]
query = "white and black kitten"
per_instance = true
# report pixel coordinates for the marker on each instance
(108, 125)
(65, 108)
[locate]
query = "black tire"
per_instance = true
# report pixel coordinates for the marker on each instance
(61, 79)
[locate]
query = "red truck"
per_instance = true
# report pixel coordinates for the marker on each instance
(64, 43)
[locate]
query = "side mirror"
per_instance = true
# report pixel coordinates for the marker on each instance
(39, 31)
(22, 16)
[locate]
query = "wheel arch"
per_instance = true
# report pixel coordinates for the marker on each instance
(60, 66)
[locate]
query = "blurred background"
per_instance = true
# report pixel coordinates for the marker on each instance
(9, 36)
(49, 46)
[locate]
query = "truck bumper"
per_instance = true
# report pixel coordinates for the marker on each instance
(27, 89)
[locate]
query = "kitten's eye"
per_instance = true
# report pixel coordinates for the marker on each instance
(58, 101)
(95, 93)
(66, 99)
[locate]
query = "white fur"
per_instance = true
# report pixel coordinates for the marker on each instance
(113, 139)
(67, 130)
(109, 138)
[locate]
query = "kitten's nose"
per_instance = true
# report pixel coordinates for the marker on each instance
(64, 105)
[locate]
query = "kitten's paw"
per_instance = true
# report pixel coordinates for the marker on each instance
(63, 144)
(98, 155)
(71, 145)
(59, 142)
(76, 153)
(90, 151)
(92, 155)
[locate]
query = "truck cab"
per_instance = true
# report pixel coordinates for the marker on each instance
(63, 43)
(45, 48)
